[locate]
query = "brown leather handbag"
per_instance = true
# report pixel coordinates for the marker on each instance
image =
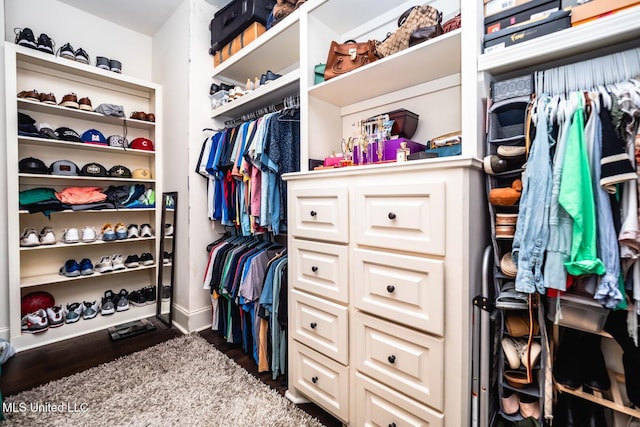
(345, 57)
(412, 19)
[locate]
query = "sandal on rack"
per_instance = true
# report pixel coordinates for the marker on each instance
(511, 299)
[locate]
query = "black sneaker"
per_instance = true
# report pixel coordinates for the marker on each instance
(66, 51)
(122, 300)
(132, 261)
(45, 44)
(166, 293)
(146, 259)
(108, 304)
(25, 37)
(115, 66)
(81, 55)
(149, 293)
(137, 298)
(102, 62)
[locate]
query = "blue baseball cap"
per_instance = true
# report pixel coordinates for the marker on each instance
(94, 136)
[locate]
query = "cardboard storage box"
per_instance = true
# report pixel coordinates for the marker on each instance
(526, 31)
(240, 41)
(598, 8)
(520, 14)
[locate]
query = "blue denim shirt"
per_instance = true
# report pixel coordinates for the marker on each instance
(532, 228)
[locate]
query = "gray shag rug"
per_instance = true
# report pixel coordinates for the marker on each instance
(182, 382)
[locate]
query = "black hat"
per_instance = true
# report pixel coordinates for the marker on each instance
(33, 165)
(119, 171)
(68, 134)
(26, 125)
(93, 169)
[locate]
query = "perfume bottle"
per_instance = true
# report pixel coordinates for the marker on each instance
(402, 153)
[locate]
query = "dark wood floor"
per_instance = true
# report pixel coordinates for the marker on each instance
(35, 367)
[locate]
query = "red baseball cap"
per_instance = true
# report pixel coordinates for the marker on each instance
(142, 144)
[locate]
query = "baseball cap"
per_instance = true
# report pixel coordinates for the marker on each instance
(142, 144)
(142, 173)
(68, 134)
(64, 167)
(117, 141)
(93, 136)
(112, 110)
(119, 171)
(93, 169)
(32, 165)
(26, 125)
(45, 130)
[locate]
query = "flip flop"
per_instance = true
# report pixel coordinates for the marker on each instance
(511, 299)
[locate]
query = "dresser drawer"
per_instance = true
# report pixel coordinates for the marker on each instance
(320, 324)
(322, 380)
(407, 217)
(403, 289)
(319, 213)
(377, 405)
(403, 359)
(320, 268)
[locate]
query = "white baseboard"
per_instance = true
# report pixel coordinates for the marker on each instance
(193, 321)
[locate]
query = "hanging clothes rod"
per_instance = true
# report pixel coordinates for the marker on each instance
(589, 74)
(292, 101)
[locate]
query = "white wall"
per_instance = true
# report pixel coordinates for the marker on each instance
(182, 65)
(4, 276)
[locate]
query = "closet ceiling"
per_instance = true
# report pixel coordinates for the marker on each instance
(143, 16)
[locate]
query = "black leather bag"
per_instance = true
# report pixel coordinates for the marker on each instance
(236, 17)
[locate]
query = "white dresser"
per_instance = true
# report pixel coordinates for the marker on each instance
(385, 261)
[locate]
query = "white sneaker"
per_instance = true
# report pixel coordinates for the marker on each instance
(71, 235)
(168, 229)
(29, 238)
(47, 237)
(104, 266)
(117, 262)
(55, 316)
(132, 231)
(89, 234)
(146, 230)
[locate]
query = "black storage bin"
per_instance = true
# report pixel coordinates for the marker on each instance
(236, 17)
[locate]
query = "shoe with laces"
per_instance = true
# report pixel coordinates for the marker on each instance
(132, 261)
(45, 44)
(73, 312)
(132, 231)
(67, 51)
(115, 66)
(29, 238)
(105, 265)
(70, 235)
(81, 55)
(137, 299)
(165, 293)
(168, 229)
(516, 350)
(122, 300)
(47, 237)
(25, 37)
(70, 268)
(55, 316)
(149, 293)
(86, 267)
(89, 234)
(31, 95)
(85, 104)
(70, 100)
(146, 230)
(121, 231)
(118, 262)
(102, 62)
(48, 98)
(108, 305)
(108, 234)
(90, 309)
(166, 258)
(146, 259)
(36, 322)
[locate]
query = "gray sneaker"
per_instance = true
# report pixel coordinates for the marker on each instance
(102, 62)
(90, 309)
(73, 312)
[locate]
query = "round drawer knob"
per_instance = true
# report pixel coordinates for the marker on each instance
(391, 215)
(391, 359)
(314, 268)
(391, 288)
(313, 213)
(314, 380)
(313, 325)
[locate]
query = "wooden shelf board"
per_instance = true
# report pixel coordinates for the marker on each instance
(53, 143)
(75, 245)
(45, 279)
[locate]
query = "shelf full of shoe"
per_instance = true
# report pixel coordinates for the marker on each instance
(275, 54)
(29, 70)
(589, 40)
